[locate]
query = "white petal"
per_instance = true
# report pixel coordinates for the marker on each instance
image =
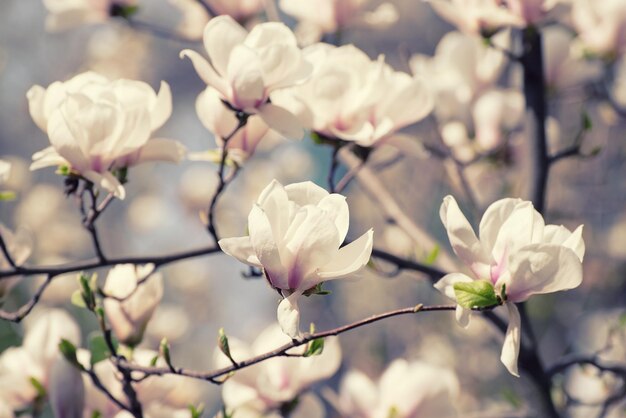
(245, 76)
(462, 316)
(560, 235)
(265, 247)
(510, 348)
(288, 314)
(35, 97)
(336, 207)
(493, 218)
(523, 226)
(446, 284)
(275, 204)
(462, 237)
(206, 72)
(160, 149)
(47, 157)
(241, 249)
(349, 259)
(311, 240)
(162, 108)
(270, 33)
(542, 268)
(282, 121)
(106, 181)
(221, 35)
(305, 193)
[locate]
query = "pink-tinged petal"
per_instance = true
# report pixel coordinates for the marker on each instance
(246, 78)
(241, 249)
(349, 259)
(512, 339)
(221, 35)
(336, 208)
(288, 314)
(35, 96)
(311, 240)
(160, 149)
(266, 248)
(305, 193)
(411, 104)
(269, 34)
(361, 132)
(446, 284)
(542, 268)
(47, 157)
(282, 121)
(106, 181)
(560, 235)
(207, 73)
(162, 108)
(461, 235)
(493, 219)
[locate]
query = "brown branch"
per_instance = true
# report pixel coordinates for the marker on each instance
(25, 309)
(281, 351)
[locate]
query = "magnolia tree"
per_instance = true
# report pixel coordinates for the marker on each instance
(328, 164)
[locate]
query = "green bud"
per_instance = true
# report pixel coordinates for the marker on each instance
(476, 294)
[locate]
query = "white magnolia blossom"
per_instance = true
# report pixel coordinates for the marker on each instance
(601, 25)
(563, 67)
(494, 113)
(96, 125)
(20, 248)
(135, 292)
(164, 397)
(517, 253)
(295, 233)
(461, 69)
(405, 390)
(354, 98)
(246, 68)
(35, 357)
(67, 392)
(261, 390)
(321, 17)
(65, 14)
(221, 121)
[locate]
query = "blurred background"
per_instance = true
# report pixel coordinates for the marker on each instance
(161, 212)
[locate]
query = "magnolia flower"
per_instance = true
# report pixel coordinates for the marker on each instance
(295, 234)
(221, 121)
(64, 14)
(20, 248)
(462, 68)
(96, 126)
(517, 254)
(247, 67)
(405, 390)
(494, 113)
(329, 16)
(262, 389)
(353, 98)
(67, 392)
(133, 294)
(35, 358)
(601, 25)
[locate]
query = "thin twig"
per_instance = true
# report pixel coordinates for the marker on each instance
(25, 309)
(6, 253)
(334, 165)
(223, 182)
(282, 350)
